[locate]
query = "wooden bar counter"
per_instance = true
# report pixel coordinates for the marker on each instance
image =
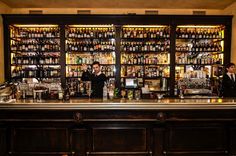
(120, 104)
(83, 127)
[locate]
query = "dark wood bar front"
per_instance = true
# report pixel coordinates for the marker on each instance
(166, 127)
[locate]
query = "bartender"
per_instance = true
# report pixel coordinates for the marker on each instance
(97, 79)
(228, 88)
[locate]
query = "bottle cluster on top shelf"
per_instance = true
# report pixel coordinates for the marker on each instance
(200, 32)
(93, 31)
(145, 53)
(26, 31)
(88, 43)
(146, 32)
(35, 51)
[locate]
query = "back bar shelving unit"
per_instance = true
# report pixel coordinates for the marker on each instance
(65, 23)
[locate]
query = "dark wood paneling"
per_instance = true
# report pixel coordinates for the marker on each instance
(198, 154)
(109, 154)
(118, 57)
(116, 19)
(79, 141)
(63, 56)
(158, 141)
(196, 138)
(118, 139)
(3, 141)
(118, 132)
(232, 137)
(172, 58)
(7, 56)
(40, 139)
(41, 154)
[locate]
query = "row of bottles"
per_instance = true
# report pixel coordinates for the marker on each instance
(32, 72)
(76, 71)
(160, 58)
(103, 58)
(201, 47)
(210, 33)
(156, 71)
(109, 71)
(203, 58)
(153, 72)
(200, 74)
(33, 41)
(145, 32)
(34, 32)
(146, 72)
(145, 46)
(35, 47)
(91, 46)
(91, 32)
(132, 71)
(72, 71)
(33, 58)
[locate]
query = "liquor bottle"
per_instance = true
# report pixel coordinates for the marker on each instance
(67, 94)
(105, 92)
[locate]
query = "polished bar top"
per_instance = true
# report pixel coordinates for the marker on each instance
(119, 104)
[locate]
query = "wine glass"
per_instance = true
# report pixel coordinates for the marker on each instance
(123, 93)
(159, 96)
(137, 94)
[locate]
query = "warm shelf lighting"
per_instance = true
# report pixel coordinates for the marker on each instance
(144, 26)
(35, 25)
(199, 26)
(92, 26)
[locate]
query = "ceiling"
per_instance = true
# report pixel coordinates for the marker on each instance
(159, 4)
